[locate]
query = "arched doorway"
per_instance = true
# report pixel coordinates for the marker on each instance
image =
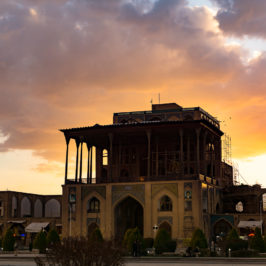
(91, 228)
(128, 214)
(222, 228)
(166, 226)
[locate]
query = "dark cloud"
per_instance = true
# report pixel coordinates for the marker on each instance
(242, 17)
(73, 63)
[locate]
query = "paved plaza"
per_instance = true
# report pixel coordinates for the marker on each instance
(28, 260)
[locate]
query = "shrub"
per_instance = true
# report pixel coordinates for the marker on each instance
(126, 239)
(198, 239)
(82, 251)
(130, 237)
(148, 242)
(244, 253)
(8, 241)
(52, 237)
(40, 242)
(232, 235)
(96, 235)
(257, 242)
(171, 246)
(161, 241)
(236, 244)
(204, 252)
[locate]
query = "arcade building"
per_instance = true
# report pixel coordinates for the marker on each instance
(158, 168)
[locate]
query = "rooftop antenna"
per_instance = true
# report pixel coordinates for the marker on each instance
(159, 98)
(151, 102)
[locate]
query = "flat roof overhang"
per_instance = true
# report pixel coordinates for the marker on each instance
(99, 134)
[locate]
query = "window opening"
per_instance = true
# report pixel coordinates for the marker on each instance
(239, 207)
(93, 205)
(105, 157)
(165, 204)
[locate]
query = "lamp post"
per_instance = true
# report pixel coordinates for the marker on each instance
(155, 228)
(70, 210)
(261, 216)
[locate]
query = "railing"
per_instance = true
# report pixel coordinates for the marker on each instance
(133, 179)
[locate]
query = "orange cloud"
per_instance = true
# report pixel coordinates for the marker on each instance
(85, 60)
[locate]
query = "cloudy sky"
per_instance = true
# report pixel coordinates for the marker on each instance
(71, 63)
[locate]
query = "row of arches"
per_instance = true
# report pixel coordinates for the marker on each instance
(52, 208)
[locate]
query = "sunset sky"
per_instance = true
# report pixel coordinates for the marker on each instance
(72, 63)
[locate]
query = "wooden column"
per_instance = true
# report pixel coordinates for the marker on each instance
(119, 158)
(204, 153)
(80, 163)
(77, 160)
(165, 161)
(212, 157)
(66, 165)
(88, 167)
(149, 154)
(188, 154)
(198, 150)
(91, 164)
(181, 151)
(110, 156)
(157, 157)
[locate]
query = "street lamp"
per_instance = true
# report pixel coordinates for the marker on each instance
(70, 218)
(261, 216)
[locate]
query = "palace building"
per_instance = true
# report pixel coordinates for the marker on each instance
(153, 169)
(158, 168)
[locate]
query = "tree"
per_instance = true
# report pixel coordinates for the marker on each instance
(52, 237)
(82, 251)
(257, 242)
(232, 235)
(40, 242)
(133, 235)
(162, 241)
(126, 239)
(198, 239)
(96, 235)
(8, 241)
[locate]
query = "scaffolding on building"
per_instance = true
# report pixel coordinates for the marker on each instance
(236, 174)
(226, 150)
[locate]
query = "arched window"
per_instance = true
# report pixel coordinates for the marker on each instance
(210, 147)
(166, 226)
(91, 228)
(52, 208)
(264, 202)
(14, 206)
(1, 208)
(38, 208)
(25, 207)
(93, 205)
(239, 206)
(165, 204)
